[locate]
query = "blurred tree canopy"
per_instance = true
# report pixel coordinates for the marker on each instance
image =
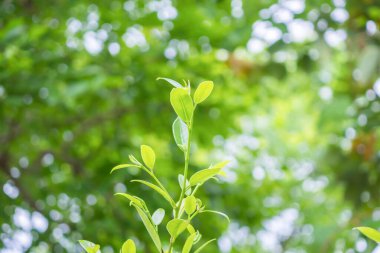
(296, 108)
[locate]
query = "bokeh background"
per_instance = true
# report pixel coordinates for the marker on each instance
(296, 108)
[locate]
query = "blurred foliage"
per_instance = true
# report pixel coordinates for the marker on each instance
(296, 107)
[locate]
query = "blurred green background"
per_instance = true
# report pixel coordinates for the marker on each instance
(296, 108)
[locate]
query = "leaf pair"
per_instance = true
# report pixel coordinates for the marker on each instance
(183, 103)
(147, 155)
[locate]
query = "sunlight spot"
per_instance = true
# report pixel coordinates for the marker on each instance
(256, 46)
(376, 87)
(296, 6)
(47, 159)
(134, 37)
(361, 245)
(15, 172)
(114, 48)
(371, 27)
(325, 93)
(301, 30)
(10, 189)
(39, 222)
(340, 15)
(21, 218)
(335, 38)
(258, 173)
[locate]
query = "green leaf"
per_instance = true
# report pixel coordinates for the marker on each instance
(189, 243)
(150, 228)
(190, 228)
(176, 226)
(370, 233)
(190, 204)
(135, 200)
(148, 156)
(197, 237)
(203, 91)
(180, 133)
(217, 212)
(182, 104)
(171, 81)
(158, 216)
(88, 246)
(134, 160)
(128, 247)
(204, 245)
(181, 178)
(158, 190)
(202, 176)
(122, 166)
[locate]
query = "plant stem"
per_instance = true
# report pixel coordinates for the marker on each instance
(187, 160)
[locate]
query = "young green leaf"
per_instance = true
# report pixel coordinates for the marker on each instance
(137, 201)
(176, 226)
(203, 91)
(128, 247)
(197, 237)
(158, 190)
(89, 247)
(217, 212)
(148, 156)
(150, 228)
(171, 81)
(189, 243)
(134, 160)
(202, 176)
(204, 245)
(181, 178)
(190, 204)
(180, 133)
(122, 166)
(182, 104)
(158, 216)
(370, 233)
(190, 228)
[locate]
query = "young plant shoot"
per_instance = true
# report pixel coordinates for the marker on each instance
(188, 205)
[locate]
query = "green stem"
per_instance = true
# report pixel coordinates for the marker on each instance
(187, 160)
(186, 169)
